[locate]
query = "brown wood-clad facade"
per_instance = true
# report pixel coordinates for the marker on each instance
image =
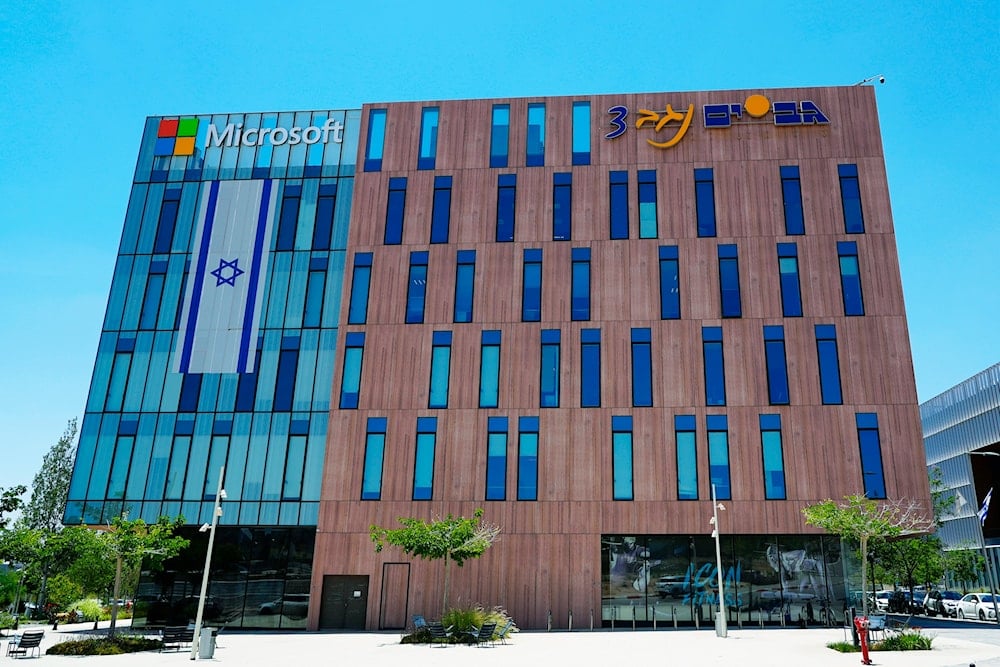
(549, 556)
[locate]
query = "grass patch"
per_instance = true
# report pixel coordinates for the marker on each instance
(116, 645)
(844, 647)
(907, 640)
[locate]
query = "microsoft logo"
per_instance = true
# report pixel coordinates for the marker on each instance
(176, 137)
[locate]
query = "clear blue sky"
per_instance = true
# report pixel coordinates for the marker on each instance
(77, 80)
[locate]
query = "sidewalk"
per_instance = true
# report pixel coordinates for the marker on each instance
(764, 648)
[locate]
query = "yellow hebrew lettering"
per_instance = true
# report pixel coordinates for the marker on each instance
(668, 116)
(647, 115)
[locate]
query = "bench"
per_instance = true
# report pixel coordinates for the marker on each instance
(30, 640)
(176, 636)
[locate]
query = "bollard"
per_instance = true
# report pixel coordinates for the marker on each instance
(697, 618)
(571, 620)
(591, 619)
(654, 614)
(614, 615)
(633, 617)
(549, 622)
(673, 615)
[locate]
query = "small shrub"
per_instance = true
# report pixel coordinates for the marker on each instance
(843, 647)
(116, 645)
(462, 621)
(90, 609)
(6, 620)
(908, 640)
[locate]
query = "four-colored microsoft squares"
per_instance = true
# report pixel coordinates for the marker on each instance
(176, 137)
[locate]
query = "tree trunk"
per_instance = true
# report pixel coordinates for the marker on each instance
(864, 574)
(444, 604)
(114, 599)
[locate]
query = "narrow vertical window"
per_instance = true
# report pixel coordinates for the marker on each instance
(416, 290)
(190, 389)
(395, 206)
(562, 206)
(326, 205)
(527, 458)
(791, 197)
(295, 462)
(465, 280)
(440, 369)
(580, 289)
(590, 368)
(288, 366)
(715, 371)
(312, 313)
(153, 295)
(428, 138)
(167, 222)
(687, 457)
(788, 272)
(670, 285)
(704, 199)
(581, 133)
(350, 385)
(506, 196)
(423, 465)
(500, 135)
(489, 370)
(441, 211)
(718, 455)
(850, 278)
(621, 457)
(288, 219)
(496, 459)
(647, 204)
(375, 142)
(829, 364)
(871, 454)
(549, 384)
(642, 369)
(774, 465)
(246, 387)
(777, 367)
(729, 281)
(850, 199)
(357, 312)
(535, 143)
(531, 290)
(618, 197)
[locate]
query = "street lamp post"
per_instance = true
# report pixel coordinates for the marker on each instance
(982, 540)
(220, 495)
(720, 619)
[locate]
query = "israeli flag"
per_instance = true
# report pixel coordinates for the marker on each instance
(219, 322)
(985, 509)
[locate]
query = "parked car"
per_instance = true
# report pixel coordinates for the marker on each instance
(673, 586)
(942, 602)
(292, 605)
(901, 602)
(882, 600)
(977, 605)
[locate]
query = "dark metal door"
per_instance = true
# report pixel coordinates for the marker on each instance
(344, 602)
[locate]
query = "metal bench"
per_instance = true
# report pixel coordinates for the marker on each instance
(176, 637)
(29, 641)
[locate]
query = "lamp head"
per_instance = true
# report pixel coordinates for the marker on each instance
(721, 507)
(712, 520)
(204, 528)
(222, 494)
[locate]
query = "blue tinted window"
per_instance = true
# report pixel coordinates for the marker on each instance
(294, 467)
(440, 369)
(428, 138)
(326, 205)
(496, 459)
(375, 143)
(423, 468)
(788, 272)
(357, 312)
(550, 369)
(178, 466)
(647, 204)
(618, 185)
(312, 314)
(687, 457)
(527, 458)
(535, 143)
(581, 133)
(642, 369)
(151, 301)
(729, 281)
(715, 372)
(465, 280)
(704, 196)
(500, 135)
(288, 220)
(670, 284)
(441, 212)
(167, 222)
(580, 290)
(850, 198)
(417, 287)
(489, 370)
(621, 457)
(562, 206)
(871, 454)
(531, 294)
(590, 368)
(350, 386)
(246, 387)
(850, 278)
(777, 368)
(718, 455)
(395, 207)
(190, 390)
(284, 387)
(774, 466)
(506, 195)
(829, 364)
(791, 196)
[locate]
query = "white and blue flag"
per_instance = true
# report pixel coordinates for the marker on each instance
(222, 303)
(985, 509)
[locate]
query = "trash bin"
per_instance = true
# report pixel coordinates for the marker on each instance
(720, 624)
(206, 643)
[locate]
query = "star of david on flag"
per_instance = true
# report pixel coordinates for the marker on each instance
(985, 509)
(219, 273)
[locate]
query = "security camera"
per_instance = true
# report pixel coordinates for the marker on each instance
(881, 79)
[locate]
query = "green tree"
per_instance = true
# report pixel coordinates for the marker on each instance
(455, 539)
(862, 520)
(964, 565)
(10, 502)
(911, 561)
(51, 484)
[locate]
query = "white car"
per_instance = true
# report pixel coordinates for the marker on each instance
(882, 600)
(977, 605)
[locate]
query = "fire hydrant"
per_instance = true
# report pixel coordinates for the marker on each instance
(861, 623)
